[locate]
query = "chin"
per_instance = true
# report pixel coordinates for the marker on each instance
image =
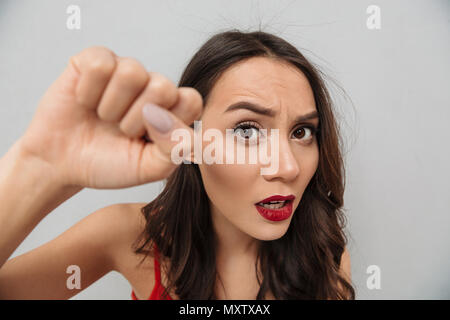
(271, 232)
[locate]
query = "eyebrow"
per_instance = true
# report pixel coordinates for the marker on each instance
(267, 111)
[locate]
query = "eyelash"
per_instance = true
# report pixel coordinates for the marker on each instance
(252, 124)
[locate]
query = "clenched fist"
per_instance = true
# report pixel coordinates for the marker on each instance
(89, 125)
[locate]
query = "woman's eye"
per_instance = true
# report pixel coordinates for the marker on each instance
(246, 131)
(300, 133)
(249, 132)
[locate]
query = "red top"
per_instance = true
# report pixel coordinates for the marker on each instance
(158, 289)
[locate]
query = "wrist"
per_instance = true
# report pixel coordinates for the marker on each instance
(29, 190)
(28, 177)
(30, 159)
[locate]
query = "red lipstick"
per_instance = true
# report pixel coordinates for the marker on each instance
(276, 214)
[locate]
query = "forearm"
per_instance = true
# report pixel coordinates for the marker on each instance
(29, 190)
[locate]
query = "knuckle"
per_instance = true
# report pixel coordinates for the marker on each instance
(88, 53)
(160, 82)
(99, 60)
(101, 65)
(132, 71)
(166, 89)
(195, 101)
(93, 50)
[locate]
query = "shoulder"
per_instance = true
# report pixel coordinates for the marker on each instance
(119, 221)
(126, 222)
(115, 228)
(345, 267)
(125, 219)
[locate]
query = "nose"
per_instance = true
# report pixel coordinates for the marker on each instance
(288, 168)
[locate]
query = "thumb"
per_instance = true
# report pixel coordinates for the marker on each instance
(171, 142)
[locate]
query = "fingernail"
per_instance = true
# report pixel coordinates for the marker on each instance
(157, 117)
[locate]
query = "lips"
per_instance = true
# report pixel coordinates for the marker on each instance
(275, 208)
(277, 198)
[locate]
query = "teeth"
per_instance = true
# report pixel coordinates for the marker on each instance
(272, 204)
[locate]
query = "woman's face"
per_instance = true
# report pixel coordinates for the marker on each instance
(234, 189)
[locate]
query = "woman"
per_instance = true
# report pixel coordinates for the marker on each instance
(211, 233)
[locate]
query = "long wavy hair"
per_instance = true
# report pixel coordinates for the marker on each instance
(305, 262)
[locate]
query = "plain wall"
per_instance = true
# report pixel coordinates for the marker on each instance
(394, 117)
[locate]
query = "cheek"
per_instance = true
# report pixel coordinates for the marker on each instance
(308, 163)
(225, 183)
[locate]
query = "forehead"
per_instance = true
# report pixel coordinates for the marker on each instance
(268, 81)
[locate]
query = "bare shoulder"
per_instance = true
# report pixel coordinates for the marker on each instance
(126, 221)
(117, 224)
(128, 225)
(345, 264)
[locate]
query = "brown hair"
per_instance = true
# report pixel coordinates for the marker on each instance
(304, 263)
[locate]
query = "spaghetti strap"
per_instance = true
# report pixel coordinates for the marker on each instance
(158, 290)
(156, 264)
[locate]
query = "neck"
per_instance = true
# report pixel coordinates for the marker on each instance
(231, 242)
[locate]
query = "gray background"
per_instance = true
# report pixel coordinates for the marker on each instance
(395, 114)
